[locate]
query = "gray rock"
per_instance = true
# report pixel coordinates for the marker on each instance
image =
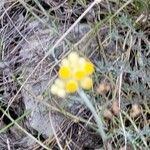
(32, 52)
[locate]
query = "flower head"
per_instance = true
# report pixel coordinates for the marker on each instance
(87, 83)
(60, 83)
(57, 90)
(88, 68)
(71, 86)
(65, 62)
(64, 72)
(54, 89)
(79, 74)
(61, 93)
(74, 73)
(73, 57)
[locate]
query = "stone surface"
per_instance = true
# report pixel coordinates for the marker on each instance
(32, 52)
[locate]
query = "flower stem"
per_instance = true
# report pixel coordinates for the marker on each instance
(92, 109)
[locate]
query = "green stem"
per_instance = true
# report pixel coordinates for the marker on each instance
(97, 118)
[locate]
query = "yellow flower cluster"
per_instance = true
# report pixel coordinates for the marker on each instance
(74, 72)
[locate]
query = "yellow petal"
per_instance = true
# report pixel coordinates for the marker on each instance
(61, 93)
(54, 89)
(71, 86)
(64, 72)
(86, 83)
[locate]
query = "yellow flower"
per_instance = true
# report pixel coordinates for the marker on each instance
(54, 89)
(79, 74)
(71, 86)
(86, 83)
(75, 71)
(88, 68)
(64, 72)
(61, 93)
(60, 83)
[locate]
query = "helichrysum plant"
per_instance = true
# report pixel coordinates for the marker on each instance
(75, 72)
